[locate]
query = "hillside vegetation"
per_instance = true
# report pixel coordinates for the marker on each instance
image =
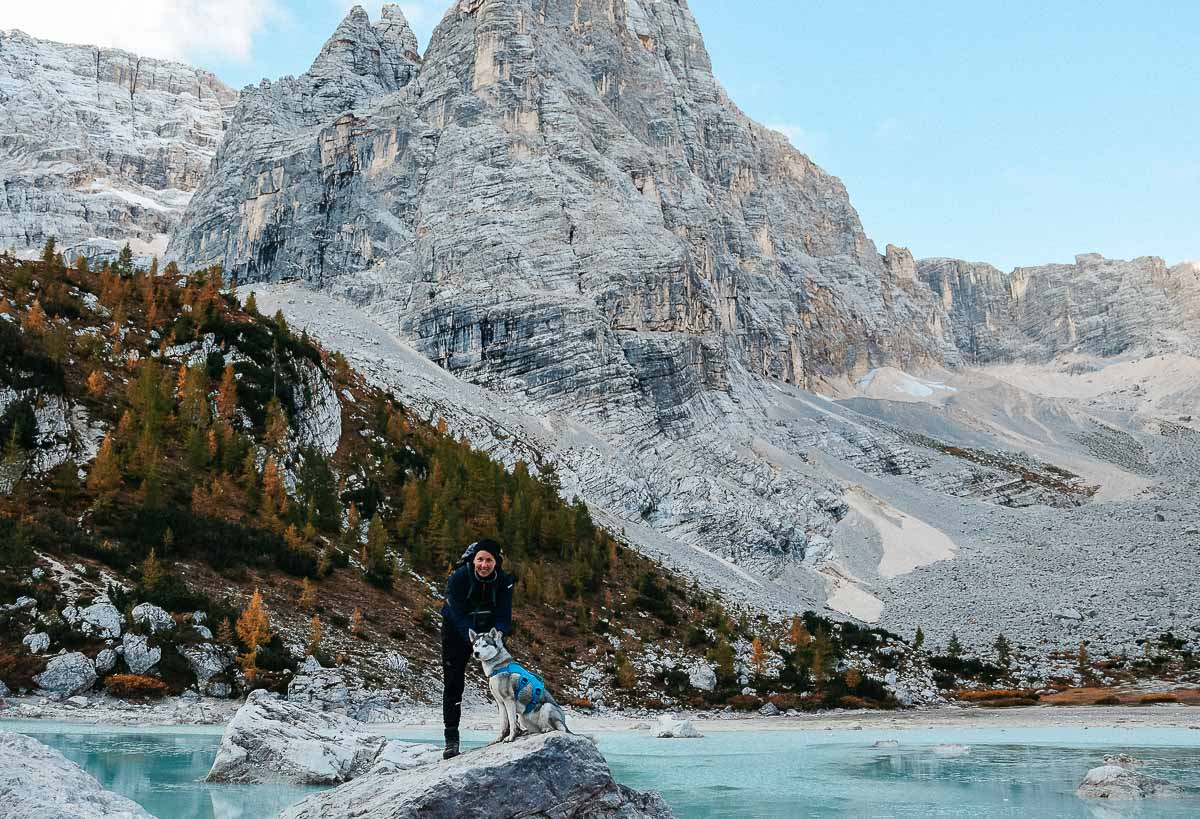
(178, 448)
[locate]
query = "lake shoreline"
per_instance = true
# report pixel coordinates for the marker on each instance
(183, 711)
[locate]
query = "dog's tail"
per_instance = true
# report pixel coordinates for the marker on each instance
(560, 724)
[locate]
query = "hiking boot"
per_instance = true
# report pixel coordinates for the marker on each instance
(451, 744)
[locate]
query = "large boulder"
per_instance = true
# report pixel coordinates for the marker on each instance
(67, 674)
(317, 687)
(140, 656)
(106, 661)
(672, 728)
(207, 661)
(37, 781)
(404, 756)
(547, 775)
(153, 618)
(272, 740)
(1119, 782)
(101, 619)
(703, 677)
(37, 643)
(4, 692)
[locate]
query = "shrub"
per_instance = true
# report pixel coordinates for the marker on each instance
(1155, 699)
(1111, 699)
(136, 686)
(853, 703)
(744, 702)
(18, 670)
(786, 702)
(995, 694)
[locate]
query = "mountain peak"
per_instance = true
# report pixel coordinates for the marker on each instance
(385, 51)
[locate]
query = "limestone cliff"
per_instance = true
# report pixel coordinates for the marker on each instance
(1096, 306)
(568, 166)
(99, 146)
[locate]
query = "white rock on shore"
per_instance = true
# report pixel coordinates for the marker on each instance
(671, 728)
(271, 740)
(545, 775)
(37, 781)
(1118, 782)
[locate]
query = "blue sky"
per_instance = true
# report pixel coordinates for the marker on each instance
(1011, 132)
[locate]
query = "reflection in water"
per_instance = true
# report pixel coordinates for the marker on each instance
(1022, 774)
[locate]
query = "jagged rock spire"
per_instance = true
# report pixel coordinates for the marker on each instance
(385, 52)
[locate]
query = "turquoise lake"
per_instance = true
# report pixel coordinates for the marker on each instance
(1027, 773)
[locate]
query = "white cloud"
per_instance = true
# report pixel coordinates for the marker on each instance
(172, 29)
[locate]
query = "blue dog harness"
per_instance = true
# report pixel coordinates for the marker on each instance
(528, 678)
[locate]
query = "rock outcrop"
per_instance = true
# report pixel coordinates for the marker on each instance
(68, 674)
(139, 655)
(1122, 782)
(545, 775)
(1096, 306)
(272, 740)
(672, 728)
(101, 146)
(38, 781)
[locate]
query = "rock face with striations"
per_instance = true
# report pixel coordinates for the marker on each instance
(100, 147)
(1096, 306)
(544, 775)
(271, 740)
(560, 202)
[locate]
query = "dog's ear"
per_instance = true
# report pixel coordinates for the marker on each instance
(471, 631)
(495, 634)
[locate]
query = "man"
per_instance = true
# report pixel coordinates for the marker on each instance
(479, 597)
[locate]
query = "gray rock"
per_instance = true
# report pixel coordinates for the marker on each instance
(78, 702)
(4, 692)
(101, 619)
(207, 660)
(323, 688)
(1118, 782)
(67, 674)
(220, 690)
(153, 618)
(139, 655)
(37, 643)
(37, 781)
(672, 728)
(37, 574)
(703, 677)
(272, 740)
(544, 775)
(199, 618)
(404, 756)
(886, 743)
(204, 632)
(106, 661)
(769, 710)
(25, 604)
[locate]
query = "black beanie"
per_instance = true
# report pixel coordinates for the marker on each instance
(485, 545)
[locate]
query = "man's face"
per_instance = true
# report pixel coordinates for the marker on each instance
(485, 564)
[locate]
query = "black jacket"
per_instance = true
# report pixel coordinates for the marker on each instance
(475, 604)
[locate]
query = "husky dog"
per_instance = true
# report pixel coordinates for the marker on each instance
(525, 704)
